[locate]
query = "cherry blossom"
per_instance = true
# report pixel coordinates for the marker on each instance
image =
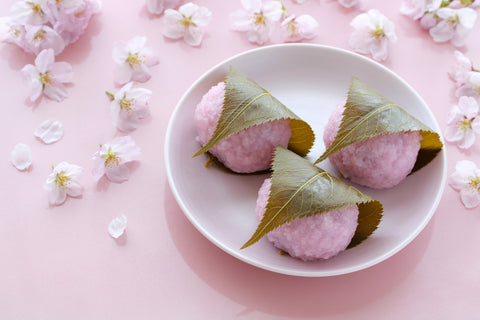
(471, 86)
(133, 60)
(299, 28)
(359, 4)
(372, 34)
(461, 71)
(21, 157)
(112, 158)
(129, 105)
(63, 182)
(11, 31)
(38, 38)
(49, 131)
(186, 23)
(117, 226)
(418, 8)
(30, 12)
(257, 19)
(72, 17)
(463, 122)
(47, 76)
(158, 6)
(454, 25)
(466, 180)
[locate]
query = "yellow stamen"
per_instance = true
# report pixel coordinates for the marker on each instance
(126, 104)
(45, 79)
(187, 22)
(474, 182)
(39, 35)
(15, 32)
(111, 159)
(378, 33)
(36, 8)
(62, 180)
(292, 28)
(464, 124)
(453, 21)
(259, 18)
(134, 59)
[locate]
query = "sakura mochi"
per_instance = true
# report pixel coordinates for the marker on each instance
(379, 162)
(321, 236)
(249, 150)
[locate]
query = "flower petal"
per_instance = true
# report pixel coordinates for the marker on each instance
(470, 198)
(117, 174)
(193, 36)
(21, 156)
(117, 226)
(44, 60)
(49, 131)
(123, 73)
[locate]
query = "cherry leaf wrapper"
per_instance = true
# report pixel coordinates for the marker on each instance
(246, 104)
(369, 114)
(300, 189)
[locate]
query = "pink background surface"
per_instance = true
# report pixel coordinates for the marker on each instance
(60, 263)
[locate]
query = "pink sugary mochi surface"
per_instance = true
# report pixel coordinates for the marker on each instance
(321, 236)
(380, 162)
(247, 151)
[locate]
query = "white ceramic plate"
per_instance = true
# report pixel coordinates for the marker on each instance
(311, 80)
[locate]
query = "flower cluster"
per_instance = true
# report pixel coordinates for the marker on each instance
(259, 20)
(372, 35)
(35, 25)
(463, 122)
(446, 20)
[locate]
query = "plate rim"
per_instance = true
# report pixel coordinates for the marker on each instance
(340, 271)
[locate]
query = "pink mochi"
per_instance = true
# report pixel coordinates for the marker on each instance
(321, 236)
(247, 151)
(380, 162)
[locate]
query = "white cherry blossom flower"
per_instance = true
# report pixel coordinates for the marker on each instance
(372, 34)
(71, 17)
(38, 38)
(158, 6)
(471, 87)
(112, 158)
(186, 23)
(63, 182)
(463, 122)
(257, 19)
(418, 8)
(49, 131)
(461, 71)
(11, 31)
(21, 157)
(133, 60)
(47, 76)
(117, 226)
(299, 28)
(464, 3)
(466, 180)
(30, 12)
(454, 25)
(129, 106)
(359, 4)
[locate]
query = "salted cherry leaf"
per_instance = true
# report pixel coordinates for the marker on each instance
(247, 104)
(300, 189)
(369, 114)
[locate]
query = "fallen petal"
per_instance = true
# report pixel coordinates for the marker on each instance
(21, 157)
(49, 131)
(117, 226)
